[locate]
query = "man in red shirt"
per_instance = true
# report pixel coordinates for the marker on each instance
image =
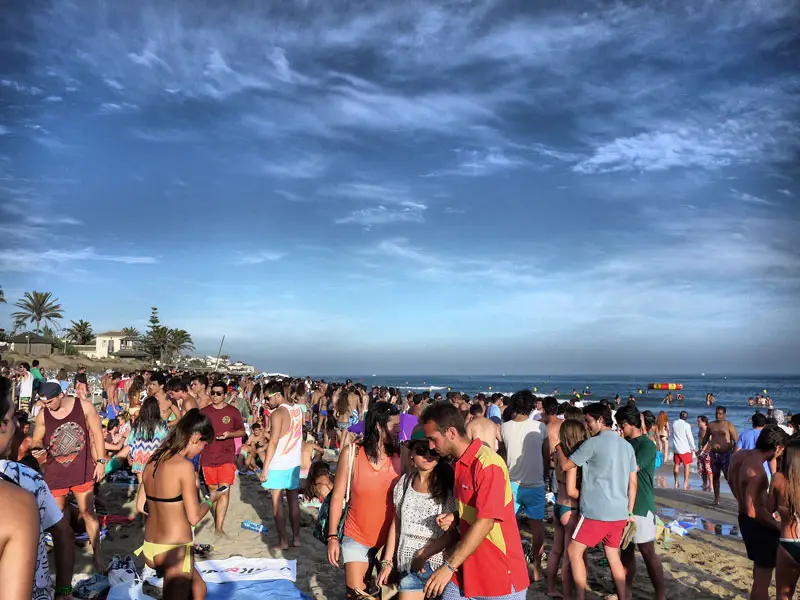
(490, 540)
(218, 460)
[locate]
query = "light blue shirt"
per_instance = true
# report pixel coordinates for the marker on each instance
(607, 461)
(493, 411)
(748, 439)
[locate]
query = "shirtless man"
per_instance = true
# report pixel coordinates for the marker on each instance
(320, 401)
(721, 437)
(485, 430)
(750, 485)
(110, 402)
(255, 447)
(553, 423)
(178, 391)
(198, 387)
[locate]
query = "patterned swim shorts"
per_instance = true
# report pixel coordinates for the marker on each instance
(704, 463)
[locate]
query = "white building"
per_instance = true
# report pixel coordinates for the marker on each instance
(240, 367)
(113, 344)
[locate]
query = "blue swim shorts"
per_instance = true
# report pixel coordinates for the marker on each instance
(531, 499)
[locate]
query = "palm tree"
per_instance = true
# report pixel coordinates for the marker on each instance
(36, 307)
(178, 342)
(81, 332)
(131, 332)
(2, 296)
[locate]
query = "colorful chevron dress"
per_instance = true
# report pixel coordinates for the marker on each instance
(142, 449)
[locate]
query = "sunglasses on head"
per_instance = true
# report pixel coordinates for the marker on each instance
(425, 452)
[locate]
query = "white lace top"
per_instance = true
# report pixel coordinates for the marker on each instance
(418, 526)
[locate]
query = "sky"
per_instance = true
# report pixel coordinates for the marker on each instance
(413, 187)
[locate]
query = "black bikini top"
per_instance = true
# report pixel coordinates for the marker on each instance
(178, 498)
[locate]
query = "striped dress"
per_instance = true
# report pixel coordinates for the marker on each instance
(142, 449)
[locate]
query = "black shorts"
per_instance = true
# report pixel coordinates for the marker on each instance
(761, 542)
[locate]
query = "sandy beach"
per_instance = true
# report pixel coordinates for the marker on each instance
(703, 565)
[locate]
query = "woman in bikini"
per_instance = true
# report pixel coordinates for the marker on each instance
(168, 497)
(342, 414)
(662, 427)
(571, 435)
(784, 498)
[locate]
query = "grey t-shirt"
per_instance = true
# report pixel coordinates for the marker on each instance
(607, 462)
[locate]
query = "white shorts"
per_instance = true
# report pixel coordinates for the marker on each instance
(645, 529)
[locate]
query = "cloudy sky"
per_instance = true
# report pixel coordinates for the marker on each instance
(413, 187)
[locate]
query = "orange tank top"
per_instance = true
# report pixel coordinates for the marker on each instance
(371, 501)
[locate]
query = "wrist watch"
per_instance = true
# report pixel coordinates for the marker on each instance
(100, 461)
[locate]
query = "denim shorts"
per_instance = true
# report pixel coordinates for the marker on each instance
(415, 582)
(353, 552)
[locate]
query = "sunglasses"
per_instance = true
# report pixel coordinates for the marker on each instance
(217, 393)
(426, 453)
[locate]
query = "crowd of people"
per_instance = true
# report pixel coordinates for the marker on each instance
(440, 514)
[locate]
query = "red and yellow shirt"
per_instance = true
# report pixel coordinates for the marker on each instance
(483, 491)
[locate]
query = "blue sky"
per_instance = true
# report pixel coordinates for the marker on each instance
(413, 187)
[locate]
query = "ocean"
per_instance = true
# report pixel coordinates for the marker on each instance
(731, 392)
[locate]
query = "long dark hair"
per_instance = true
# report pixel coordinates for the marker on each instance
(178, 438)
(148, 420)
(375, 424)
(441, 480)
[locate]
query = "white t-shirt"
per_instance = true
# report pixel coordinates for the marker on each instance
(26, 386)
(49, 515)
(523, 440)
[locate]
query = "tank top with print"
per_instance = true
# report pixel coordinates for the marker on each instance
(288, 453)
(69, 458)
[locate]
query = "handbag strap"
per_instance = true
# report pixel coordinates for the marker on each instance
(351, 461)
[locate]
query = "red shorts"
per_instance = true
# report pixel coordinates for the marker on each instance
(221, 475)
(590, 532)
(75, 489)
(683, 459)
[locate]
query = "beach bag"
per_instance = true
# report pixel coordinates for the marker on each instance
(321, 526)
(659, 459)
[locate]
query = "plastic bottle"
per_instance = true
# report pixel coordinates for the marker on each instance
(257, 527)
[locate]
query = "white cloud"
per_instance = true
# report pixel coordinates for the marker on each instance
(381, 215)
(290, 196)
(380, 193)
(786, 192)
(480, 163)
(311, 166)
(257, 258)
(4, 130)
(749, 198)
(48, 260)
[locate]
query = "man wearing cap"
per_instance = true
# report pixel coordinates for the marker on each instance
(68, 438)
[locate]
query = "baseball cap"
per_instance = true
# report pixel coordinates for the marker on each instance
(49, 390)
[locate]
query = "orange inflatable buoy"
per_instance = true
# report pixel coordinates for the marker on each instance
(664, 386)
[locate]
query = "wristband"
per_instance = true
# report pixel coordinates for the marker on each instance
(63, 591)
(449, 566)
(332, 536)
(209, 502)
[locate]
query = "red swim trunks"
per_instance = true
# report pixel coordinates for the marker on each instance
(683, 459)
